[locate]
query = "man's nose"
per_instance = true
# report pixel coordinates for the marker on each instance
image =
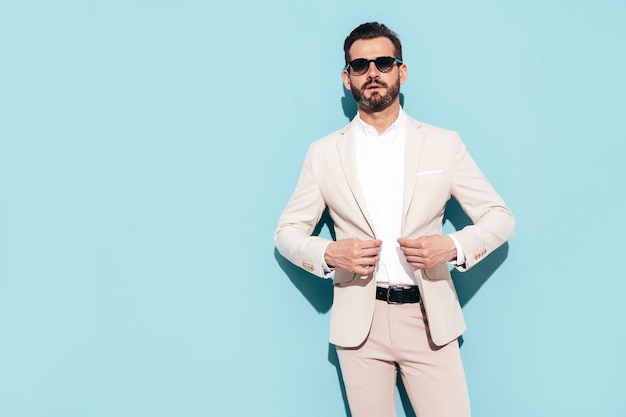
(372, 70)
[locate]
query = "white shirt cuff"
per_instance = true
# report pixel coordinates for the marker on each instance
(460, 256)
(327, 269)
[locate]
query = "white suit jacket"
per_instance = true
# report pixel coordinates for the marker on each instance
(437, 166)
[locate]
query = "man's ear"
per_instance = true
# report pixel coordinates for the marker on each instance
(404, 73)
(346, 80)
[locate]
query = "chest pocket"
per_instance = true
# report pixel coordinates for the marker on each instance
(429, 175)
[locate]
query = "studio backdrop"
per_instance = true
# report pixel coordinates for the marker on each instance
(147, 149)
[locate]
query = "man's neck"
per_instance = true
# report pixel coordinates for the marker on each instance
(383, 119)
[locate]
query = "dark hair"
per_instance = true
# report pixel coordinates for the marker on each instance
(372, 30)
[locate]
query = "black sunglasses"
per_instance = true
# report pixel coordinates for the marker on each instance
(383, 63)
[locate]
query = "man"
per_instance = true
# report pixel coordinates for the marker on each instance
(385, 180)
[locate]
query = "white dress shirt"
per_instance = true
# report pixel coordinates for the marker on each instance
(380, 168)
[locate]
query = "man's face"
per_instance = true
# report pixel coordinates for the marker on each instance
(374, 91)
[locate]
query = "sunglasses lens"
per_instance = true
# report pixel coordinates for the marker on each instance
(384, 63)
(360, 66)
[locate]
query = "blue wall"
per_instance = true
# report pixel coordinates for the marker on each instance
(147, 149)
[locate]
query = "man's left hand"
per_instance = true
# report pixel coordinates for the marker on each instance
(428, 251)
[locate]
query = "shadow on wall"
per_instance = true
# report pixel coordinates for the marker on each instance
(348, 104)
(317, 291)
(468, 283)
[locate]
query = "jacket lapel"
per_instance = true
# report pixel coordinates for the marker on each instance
(413, 141)
(346, 147)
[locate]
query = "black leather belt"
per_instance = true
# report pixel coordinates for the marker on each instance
(398, 294)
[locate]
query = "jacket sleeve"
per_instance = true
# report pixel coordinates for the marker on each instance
(493, 222)
(303, 211)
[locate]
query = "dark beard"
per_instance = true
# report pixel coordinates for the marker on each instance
(376, 102)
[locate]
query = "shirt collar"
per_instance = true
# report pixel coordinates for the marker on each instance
(369, 130)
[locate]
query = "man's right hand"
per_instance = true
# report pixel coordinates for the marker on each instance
(352, 254)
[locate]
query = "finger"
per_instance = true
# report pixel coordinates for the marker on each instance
(367, 262)
(420, 242)
(372, 260)
(414, 258)
(407, 243)
(371, 243)
(369, 253)
(412, 251)
(367, 269)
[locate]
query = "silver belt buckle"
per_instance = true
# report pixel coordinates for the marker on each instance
(389, 288)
